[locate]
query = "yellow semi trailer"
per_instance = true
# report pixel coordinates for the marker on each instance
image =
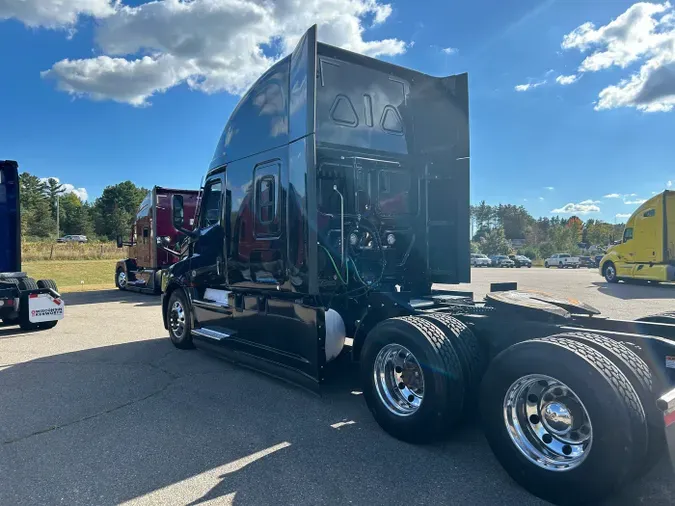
(647, 250)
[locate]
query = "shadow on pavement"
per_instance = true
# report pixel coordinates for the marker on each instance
(633, 290)
(114, 295)
(147, 423)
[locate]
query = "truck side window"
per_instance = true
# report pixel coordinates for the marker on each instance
(627, 234)
(266, 200)
(146, 234)
(211, 204)
(266, 197)
(649, 213)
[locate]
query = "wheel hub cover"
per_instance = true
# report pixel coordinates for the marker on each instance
(557, 418)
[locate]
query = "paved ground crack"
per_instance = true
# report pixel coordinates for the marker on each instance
(89, 417)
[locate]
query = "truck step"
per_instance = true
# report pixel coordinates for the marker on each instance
(216, 335)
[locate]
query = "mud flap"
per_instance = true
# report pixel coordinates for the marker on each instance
(666, 403)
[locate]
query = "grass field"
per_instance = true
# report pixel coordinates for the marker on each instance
(35, 251)
(96, 274)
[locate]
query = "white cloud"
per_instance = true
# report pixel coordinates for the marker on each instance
(69, 188)
(212, 45)
(635, 201)
(612, 196)
(550, 188)
(669, 184)
(631, 195)
(580, 208)
(529, 86)
(644, 33)
(565, 80)
(622, 216)
(449, 50)
(589, 201)
(54, 13)
(541, 198)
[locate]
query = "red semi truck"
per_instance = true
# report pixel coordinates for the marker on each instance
(154, 242)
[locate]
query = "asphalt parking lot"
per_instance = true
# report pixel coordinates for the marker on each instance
(104, 410)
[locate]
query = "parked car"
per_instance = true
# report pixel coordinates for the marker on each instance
(521, 260)
(562, 261)
(597, 259)
(586, 262)
(73, 238)
(480, 260)
(502, 261)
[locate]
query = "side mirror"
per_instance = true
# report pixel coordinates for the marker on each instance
(120, 242)
(177, 212)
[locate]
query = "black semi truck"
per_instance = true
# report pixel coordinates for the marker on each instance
(33, 305)
(337, 196)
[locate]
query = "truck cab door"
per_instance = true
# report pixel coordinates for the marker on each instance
(207, 263)
(648, 234)
(625, 254)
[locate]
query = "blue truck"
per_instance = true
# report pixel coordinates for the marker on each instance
(31, 304)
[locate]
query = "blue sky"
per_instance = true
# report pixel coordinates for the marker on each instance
(94, 93)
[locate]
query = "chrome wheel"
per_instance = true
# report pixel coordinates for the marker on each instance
(547, 422)
(399, 380)
(610, 272)
(121, 279)
(177, 319)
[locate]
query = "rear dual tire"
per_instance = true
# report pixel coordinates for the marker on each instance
(581, 427)
(417, 375)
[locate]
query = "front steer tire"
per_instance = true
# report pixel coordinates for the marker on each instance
(443, 392)
(609, 399)
(179, 321)
(609, 272)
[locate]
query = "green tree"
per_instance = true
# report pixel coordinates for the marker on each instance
(32, 189)
(36, 217)
(515, 220)
(75, 215)
(494, 242)
(483, 214)
(530, 252)
(53, 190)
(115, 209)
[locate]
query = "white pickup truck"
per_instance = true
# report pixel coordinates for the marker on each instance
(562, 260)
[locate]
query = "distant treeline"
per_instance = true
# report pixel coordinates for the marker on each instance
(110, 214)
(507, 228)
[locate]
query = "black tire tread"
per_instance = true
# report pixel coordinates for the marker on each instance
(438, 340)
(628, 356)
(27, 284)
(610, 371)
(47, 283)
(466, 344)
